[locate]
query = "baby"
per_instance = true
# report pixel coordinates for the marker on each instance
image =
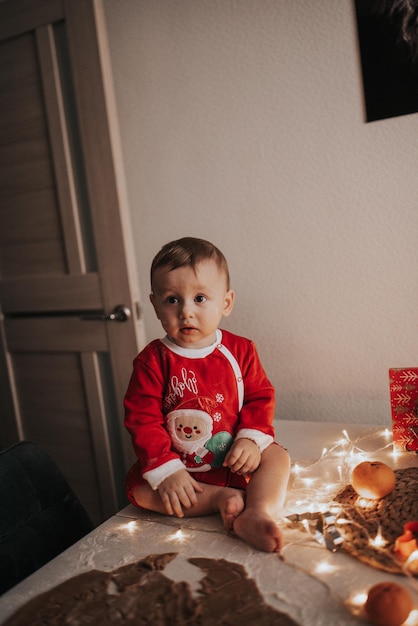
(200, 408)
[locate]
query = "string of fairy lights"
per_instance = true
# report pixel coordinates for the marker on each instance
(314, 485)
(311, 507)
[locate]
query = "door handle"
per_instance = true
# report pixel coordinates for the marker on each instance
(120, 313)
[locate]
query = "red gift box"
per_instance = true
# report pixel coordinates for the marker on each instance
(403, 385)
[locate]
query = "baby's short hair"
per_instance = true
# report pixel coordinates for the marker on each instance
(189, 251)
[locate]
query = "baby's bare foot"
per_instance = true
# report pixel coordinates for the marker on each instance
(231, 505)
(259, 530)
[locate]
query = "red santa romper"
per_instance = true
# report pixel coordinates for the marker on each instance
(184, 408)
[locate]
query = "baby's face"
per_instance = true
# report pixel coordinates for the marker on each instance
(190, 303)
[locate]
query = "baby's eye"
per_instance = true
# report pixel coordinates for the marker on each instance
(200, 298)
(172, 300)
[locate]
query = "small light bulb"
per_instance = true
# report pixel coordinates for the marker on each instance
(358, 599)
(364, 503)
(308, 481)
(325, 568)
(178, 535)
(379, 541)
(412, 619)
(395, 454)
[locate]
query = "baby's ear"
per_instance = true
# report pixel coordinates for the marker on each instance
(228, 302)
(154, 304)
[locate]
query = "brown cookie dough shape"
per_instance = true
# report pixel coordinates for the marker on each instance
(139, 594)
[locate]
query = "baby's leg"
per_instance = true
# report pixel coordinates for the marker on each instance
(265, 498)
(226, 501)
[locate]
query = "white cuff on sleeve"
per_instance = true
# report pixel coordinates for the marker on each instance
(156, 476)
(261, 439)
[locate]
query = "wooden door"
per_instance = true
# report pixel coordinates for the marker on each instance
(65, 254)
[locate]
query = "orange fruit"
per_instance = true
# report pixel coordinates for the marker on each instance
(373, 479)
(388, 604)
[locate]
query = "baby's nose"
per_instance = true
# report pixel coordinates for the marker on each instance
(187, 309)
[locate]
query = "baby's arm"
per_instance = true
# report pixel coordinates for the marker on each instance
(177, 491)
(244, 457)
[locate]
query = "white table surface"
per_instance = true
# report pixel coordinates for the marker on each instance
(309, 583)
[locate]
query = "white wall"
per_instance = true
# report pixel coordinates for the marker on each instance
(242, 122)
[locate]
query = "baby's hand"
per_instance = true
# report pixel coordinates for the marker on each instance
(244, 457)
(178, 491)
